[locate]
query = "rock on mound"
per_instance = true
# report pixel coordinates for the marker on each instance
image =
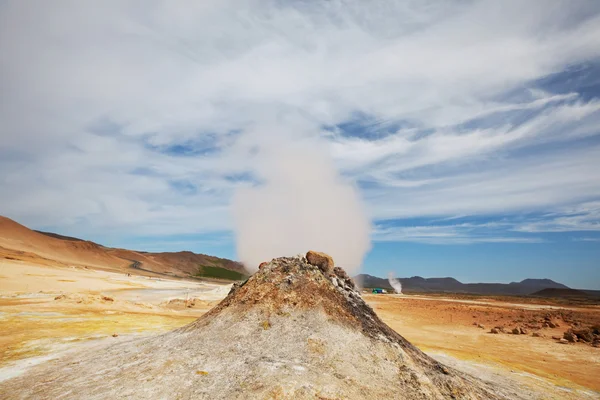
(290, 331)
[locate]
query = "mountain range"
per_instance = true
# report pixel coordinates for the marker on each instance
(417, 284)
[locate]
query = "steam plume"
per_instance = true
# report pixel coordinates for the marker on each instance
(301, 204)
(395, 283)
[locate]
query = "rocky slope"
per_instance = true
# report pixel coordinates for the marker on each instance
(293, 330)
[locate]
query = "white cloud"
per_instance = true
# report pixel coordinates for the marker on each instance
(580, 218)
(465, 233)
(167, 73)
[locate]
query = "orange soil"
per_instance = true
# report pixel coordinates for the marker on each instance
(447, 326)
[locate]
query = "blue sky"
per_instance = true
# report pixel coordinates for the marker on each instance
(470, 129)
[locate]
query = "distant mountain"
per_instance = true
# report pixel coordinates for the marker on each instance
(21, 243)
(419, 284)
(554, 292)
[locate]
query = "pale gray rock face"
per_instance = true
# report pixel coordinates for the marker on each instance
(290, 332)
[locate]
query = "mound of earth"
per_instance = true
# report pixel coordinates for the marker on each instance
(290, 331)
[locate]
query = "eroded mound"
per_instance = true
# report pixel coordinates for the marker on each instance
(293, 330)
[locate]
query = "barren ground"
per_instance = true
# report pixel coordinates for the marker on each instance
(47, 310)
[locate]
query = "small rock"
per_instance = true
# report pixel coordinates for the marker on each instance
(516, 331)
(115, 335)
(106, 298)
(481, 326)
(522, 330)
(570, 336)
(563, 341)
(495, 331)
(551, 324)
(556, 337)
(585, 335)
(321, 260)
(262, 265)
(536, 334)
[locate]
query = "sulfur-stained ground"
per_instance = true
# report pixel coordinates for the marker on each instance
(48, 310)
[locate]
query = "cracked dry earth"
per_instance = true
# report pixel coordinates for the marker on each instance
(290, 331)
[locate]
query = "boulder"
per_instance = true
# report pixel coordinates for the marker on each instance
(321, 260)
(585, 335)
(570, 336)
(522, 331)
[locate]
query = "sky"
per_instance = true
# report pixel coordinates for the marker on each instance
(470, 129)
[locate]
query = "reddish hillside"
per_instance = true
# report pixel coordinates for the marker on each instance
(17, 238)
(18, 241)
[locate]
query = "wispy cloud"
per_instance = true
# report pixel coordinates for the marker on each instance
(583, 217)
(465, 233)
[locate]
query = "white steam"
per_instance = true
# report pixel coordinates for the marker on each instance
(301, 204)
(395, 283)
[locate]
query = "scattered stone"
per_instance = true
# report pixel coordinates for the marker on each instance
(585, 335)
(569, 336)
(321, 260)
(522, 330)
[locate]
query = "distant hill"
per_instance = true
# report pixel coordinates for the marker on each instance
(451, 285)
(552, 292)
(20, 242)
